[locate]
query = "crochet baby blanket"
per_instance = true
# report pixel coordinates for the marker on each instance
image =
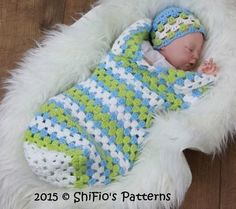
(94, 132)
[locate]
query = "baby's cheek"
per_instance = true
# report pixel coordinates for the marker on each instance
(181, 59)
(175, 61)
(186, 58)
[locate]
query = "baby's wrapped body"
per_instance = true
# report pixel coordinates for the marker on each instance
(93, 132)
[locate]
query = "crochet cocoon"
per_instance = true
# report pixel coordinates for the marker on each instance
(93, 132)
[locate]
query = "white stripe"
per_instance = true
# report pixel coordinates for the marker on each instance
(176, 26)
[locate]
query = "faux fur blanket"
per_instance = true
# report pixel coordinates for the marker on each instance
(65, 57)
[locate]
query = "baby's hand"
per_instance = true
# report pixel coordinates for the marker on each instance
(208, 67)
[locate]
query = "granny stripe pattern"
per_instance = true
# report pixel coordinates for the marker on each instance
(93, 132)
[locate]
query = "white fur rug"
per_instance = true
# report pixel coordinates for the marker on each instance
(68, 55)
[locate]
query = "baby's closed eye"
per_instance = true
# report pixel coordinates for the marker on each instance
(189, 49)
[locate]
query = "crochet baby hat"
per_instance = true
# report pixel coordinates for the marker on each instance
(172, 23)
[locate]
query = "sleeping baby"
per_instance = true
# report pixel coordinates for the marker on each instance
(179, 50)
(94, 132)
(182, 53)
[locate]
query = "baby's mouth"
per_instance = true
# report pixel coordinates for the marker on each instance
(190, 66)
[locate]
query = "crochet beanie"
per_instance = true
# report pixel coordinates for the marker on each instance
(173, 23)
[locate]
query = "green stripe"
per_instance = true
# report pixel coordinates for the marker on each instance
(134, 42)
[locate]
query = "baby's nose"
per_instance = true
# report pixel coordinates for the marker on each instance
(193, 62)
(196, 55)
(194, 59)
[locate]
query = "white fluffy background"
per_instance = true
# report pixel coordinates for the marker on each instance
(68, 55)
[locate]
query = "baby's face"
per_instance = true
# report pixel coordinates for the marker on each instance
(183, 53)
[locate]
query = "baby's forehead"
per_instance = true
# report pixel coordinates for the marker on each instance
(195, 39)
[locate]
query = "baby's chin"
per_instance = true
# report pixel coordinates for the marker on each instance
(186, 67)
(190, 68)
